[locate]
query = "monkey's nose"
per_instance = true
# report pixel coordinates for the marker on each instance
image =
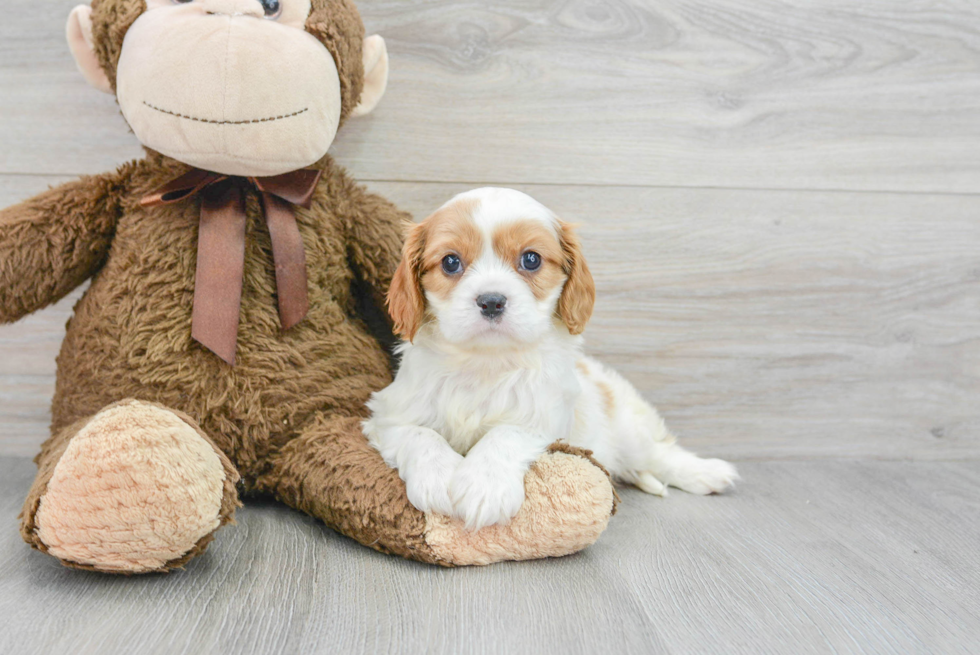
(491, 304)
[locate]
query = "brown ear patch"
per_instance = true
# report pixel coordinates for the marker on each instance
(578, 296)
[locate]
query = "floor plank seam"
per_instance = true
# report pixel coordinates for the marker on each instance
(590, 185)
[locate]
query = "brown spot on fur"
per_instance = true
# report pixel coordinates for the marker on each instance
(512, 240)
(608, 399)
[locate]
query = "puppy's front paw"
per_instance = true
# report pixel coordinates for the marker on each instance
(483, 495)
(427, 483)
(704, 476)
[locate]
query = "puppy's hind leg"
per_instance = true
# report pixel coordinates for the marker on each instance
(680, 468)
(638, 448)
(652, 457)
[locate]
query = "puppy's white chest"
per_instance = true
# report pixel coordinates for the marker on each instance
(470, 405)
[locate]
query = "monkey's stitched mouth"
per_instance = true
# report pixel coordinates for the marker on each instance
(248, 122)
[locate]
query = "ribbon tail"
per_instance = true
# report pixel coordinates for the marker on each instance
(220, 270)
(290, 259)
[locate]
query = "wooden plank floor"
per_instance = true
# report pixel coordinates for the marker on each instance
(780, 201)
(811, 557)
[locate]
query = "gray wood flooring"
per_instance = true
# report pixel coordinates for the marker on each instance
(780, 201)
(807, 557)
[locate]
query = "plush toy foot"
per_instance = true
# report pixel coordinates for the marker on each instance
(568, 501)
(331, 472)
(137, 488)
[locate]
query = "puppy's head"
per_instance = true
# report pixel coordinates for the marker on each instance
(490, 267)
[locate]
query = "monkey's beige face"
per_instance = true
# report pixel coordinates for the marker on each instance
(219, 85)
(238, 87)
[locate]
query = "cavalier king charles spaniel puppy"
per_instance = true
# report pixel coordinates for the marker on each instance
(491, 298)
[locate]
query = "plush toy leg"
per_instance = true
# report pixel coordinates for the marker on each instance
(134, 489)
(331, 472)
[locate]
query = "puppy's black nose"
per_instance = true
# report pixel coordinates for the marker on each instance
(491, 304)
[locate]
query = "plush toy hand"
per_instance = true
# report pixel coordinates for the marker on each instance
(488, 487)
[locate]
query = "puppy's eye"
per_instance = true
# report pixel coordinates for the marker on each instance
(452, 264)
(272, 8)
(530, 261)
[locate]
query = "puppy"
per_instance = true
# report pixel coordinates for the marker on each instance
(491, 297)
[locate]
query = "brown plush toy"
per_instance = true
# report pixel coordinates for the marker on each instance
(220, 347)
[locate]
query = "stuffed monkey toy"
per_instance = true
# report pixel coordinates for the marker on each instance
(222, 346)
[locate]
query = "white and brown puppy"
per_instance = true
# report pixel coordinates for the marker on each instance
(491, 296)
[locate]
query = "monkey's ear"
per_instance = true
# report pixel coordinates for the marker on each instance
(375, 74)
(79, 33)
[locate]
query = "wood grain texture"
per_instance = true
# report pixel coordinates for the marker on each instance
(763, 324)
(833, 330)
(828, 557)
(874, 95)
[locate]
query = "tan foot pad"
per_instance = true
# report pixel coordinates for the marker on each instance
(568, 502)
(136, 489)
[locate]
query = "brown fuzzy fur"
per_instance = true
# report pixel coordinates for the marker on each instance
(130, 334)
(292, 402)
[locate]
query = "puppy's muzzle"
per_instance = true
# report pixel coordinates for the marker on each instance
(491, 304)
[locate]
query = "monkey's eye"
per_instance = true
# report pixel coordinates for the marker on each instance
(530, 261)
(182, 2)
(452, 264)
(272, 8)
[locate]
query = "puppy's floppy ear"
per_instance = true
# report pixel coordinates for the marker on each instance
(578, 295)
(406, 299)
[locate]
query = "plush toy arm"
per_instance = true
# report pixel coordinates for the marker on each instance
(376, 230)
(53, 242)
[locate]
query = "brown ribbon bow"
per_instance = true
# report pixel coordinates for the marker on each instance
(221, 248)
